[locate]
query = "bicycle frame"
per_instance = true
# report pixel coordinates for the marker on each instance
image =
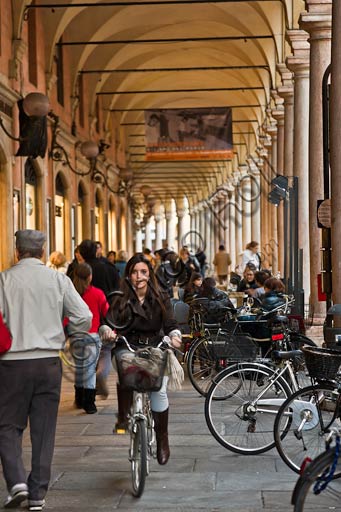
(279, 372)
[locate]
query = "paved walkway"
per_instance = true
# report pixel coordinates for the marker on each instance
(91, 470)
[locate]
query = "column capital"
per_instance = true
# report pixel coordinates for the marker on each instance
(318, 20)
(278, 115)
(286, 74)
(299, 42)
(319, 6)
(180, 213)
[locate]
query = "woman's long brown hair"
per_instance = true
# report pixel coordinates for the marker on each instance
(152, 283)
(82, 273)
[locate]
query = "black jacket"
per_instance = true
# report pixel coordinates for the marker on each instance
(104, 275)
(151, 322)
(272, 300)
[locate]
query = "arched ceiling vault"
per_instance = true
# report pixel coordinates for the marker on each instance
(136, 56)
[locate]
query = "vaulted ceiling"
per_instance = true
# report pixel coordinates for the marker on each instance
(202, 54)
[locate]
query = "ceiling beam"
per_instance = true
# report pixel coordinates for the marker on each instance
(158, 70)
(173, 40)
(60, 5)
(184, 108)
(162, 91)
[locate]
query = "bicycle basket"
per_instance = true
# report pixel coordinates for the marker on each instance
(234, 347)
(142, 370)
(322, 363)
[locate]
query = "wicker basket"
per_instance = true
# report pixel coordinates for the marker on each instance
(322, 363)
(142, 370)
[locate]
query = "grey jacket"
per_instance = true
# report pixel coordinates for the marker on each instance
(34, 300)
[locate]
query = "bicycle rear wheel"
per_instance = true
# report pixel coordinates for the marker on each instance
(305, 499)
(301, 423)
(202, 365)
(138, 456)
(241, 406)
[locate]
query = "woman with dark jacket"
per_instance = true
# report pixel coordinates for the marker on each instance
(193, 287)
(273, 297)
(248, 282)
(153, 318)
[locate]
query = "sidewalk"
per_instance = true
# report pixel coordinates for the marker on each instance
(91, 469)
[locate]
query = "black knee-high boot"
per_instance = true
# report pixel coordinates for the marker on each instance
(79, 397)
(161, 430)
(89, 405)
(125, 401)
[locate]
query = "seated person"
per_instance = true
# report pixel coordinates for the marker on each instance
(193, 287)
(273, 297)
(248, 282)
(260, 278)
(218, 301)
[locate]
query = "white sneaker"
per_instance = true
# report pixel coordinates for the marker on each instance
(17, 495)
(36, 504)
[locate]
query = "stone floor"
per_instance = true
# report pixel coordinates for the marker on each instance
(91, 469)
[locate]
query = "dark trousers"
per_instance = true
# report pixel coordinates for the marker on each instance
(29, 390)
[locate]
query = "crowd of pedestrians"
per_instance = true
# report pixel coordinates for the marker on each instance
(42, 304)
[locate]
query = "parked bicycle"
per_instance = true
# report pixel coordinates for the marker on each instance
(214, 346)
(319, 486)
(307, 417)
(243, 399)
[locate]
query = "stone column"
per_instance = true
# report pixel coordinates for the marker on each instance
(317, 21)
(266, 215)
(208, 251)
(335, 153)
(180, 211)
(213, 241)
(170, 227)
(245, 191)
(148, 234)
(238, 223)
(272, 248)
(138, 239)
(232, 227)
(299, 65)
(226, 224)
(278, 114)
(158, 230)
(255, 202)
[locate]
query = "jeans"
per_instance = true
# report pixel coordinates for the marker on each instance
(159, 399)
(104, 362)
(86, 356)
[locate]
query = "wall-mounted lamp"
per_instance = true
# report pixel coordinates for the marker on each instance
(90, 150)
(32, 139)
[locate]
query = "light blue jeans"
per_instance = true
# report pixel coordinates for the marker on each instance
(104, 361)
(86, 357)
(159, 399)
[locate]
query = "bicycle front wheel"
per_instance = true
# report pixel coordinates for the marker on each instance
(241, 406)
(304, 497)
(302, 422)
(138, 457)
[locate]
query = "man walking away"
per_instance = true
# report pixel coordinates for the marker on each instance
(34, 299)
(222, 261)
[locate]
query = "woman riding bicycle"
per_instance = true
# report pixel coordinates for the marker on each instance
(153, 318)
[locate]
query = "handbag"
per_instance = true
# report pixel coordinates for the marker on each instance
(5, 337)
